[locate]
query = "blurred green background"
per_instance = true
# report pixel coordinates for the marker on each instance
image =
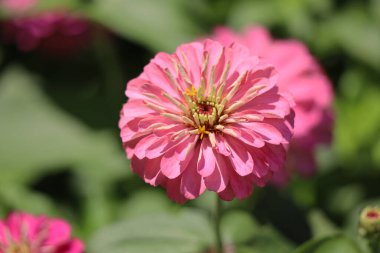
(60, 153)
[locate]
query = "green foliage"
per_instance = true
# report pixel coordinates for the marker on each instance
(60, 153)
(186, 231)
(333, 244)
(159, 25)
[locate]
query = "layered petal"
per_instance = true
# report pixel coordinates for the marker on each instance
(299, 75)
(206, 118)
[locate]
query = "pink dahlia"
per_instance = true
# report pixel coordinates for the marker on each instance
(206, 117)
(300, 75)
(24, 233)
(57, 32)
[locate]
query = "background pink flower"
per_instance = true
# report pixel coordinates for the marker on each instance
(57, 32)
(206, 117)
(22, 232)
(300, 75)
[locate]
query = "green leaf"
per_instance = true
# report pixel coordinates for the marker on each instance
(333, 244)
(244, 13)
(46, 5)
(242, 232)
(321, 226)
(354, 31)
(188, 231)
(145, 202)
(238, 227)
(11, 194)
(353, 140)
(36, 135)
(268, 240)
(38, 138)
(159, 24)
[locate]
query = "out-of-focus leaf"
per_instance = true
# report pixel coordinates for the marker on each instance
(333, 244)
(244, 13)
(355, 32)
(375, 9)
(243, 233)
(353, 140)
(238, 227)
(187, 231)
(46, 5)
(20, 198)
(37, 137)
(267, 240)
(344, 199)
(321, 225)
(294, 15)
(145, 203)
(159, 24)
(376, 153)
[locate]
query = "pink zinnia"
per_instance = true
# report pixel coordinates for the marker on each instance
(55, 32)
(26, 233)
(300, 75)
(206, 117)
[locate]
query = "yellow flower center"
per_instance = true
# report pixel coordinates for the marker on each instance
(191, 92)
(18, 248)
(202, 131)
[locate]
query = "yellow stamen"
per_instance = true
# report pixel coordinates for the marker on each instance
(191, 92)
(202, 131)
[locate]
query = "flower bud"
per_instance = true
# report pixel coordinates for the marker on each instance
(369, 224)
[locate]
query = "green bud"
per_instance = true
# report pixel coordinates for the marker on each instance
(369, 224)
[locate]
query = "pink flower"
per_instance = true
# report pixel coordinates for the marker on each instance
(206, 117)
(25, 233)
(54, 33)
(300, 75)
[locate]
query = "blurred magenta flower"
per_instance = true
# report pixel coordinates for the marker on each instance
(25, 233)
(300, 75)
(206, 117)
(56, 33)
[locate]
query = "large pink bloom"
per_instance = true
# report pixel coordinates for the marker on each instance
(206, 117)
(26, 233)
(56, 32)
(300, 75)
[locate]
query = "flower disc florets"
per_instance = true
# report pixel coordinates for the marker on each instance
(206, 117)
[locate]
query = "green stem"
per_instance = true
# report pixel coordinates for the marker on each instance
(217, 219)
(375, 246)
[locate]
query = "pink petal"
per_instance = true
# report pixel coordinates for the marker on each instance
(176, 159)
(59, 232)
(218, 180)
(206, 159)
(240, 158)
(192, 184)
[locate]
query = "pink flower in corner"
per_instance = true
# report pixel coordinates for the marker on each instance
(206, 117)
(300, 75)
(26, 233)
(56, 33)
